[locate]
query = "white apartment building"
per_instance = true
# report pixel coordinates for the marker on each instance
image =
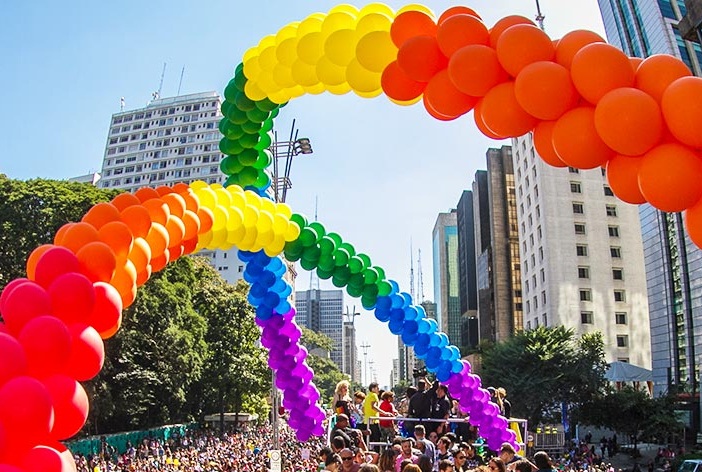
(170, 140)
(582, 263)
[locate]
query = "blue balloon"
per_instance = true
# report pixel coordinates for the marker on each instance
(434, 353)
(253, 300)
(283, 307)
(411, 327)
(261, 258)
(395, 286)
(382, 315)
(409, 338)
(423, 340)
(421, 350)
(276, 266)
(456, 353)
(396, 326)
(434, 325)
(267, 278)
(432, 363)
(434, 339)
(456, 367)
(254, 270)
(279, 286)
(442, 374)
(384, 302)
(397, 300)
(411, 313)
(264, 312)
(271, 299)
(245, 256)
(446, 354)
(285, 293)
(397, 314)
(406, 299)
(420, 310)
(258, 290)
(444, 340)
(424, 326)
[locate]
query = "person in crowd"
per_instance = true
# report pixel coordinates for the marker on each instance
(443, 449)
(425, 463)
(459, 460)
(333, 463)
(407, 452)
(503, 403)
(440, 409)
(446, 466)
(341, 400)
(357, 410)
(433, 437)
(371, 407)
(347, 462)
(420, 403)
(368, 468)
(323, 454)
(411, 468)
(542, 462)
(388, 429)
(473, 460)
(386, 461)
(429, 447)
(496, 465)
(353, 438)
(508, 454)
(404, 410)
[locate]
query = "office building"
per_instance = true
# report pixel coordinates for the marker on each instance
(350, 352)
(322, 312)
(395, 373)
(673, 262)
(446, 280)
(582, 263)
(467, 287)
(91, 178)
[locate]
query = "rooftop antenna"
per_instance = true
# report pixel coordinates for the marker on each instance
(180, 83)
(539, 16)
(121, 104)
(420, 282)
(412, 272)
(314, 280)
(157, 94)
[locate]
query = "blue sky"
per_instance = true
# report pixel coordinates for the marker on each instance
(381, 173)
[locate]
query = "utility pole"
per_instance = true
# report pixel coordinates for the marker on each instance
(539, 16)
(365, 347)
(351, 316)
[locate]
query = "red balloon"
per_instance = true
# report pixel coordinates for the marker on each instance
(504, 23)
(398, 86)
(521, 45)
(576, 141)
(10, 468)
(410, 24)
(70, 405)
(570, 44)
(25, 302)
(54, 262)
(474, 70)
(26, 409)
(42, 459)
(8, 288)
(443, 97)
(459, 31)
(657, 72)
(502, 113)
(629, 121)
(457, 10)
(433, 113)
(47, 343)
(107, 312)
(682, 110)
(87, 352)
(14, 360)
(420, 58)
(72, 297)
(599, 68)
(482, 127)
(543, 143)
(623, 178)
(669, 177)
(544, 90)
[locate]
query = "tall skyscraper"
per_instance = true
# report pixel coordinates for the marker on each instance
(497, 248)
(446, 281)
(673, 263)
(350, 352)
(582, 263)
(322, 312)
(170, 140)
(467, 287)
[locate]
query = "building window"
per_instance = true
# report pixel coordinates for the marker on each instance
(581, 250)
(620, 317)
(618, 273)
(619, 296)
(575, 187)
(543, 297)
(585, 295)
(583, 272)
(608, 191)
(611, 210)
(573, 170)
(622, 340)
(586, 317)
(578, 208)
(544, 318)
(615, 252)
(613, 231)
(579, 228)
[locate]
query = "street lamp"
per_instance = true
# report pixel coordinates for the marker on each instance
(286, 150)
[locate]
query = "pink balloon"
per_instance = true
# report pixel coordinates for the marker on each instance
(8, 288)
(14, 360)
(42, 459)
(26, 409)
(9, 468)
(54, 262)
(47, 342)
(24, 302)
(71, 405)
(87, 352)
(107, 308)
(72, 297)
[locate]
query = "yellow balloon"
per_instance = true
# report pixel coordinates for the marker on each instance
(252, 69)
(251, 52)
(219, 239)
(216, 185)
(234, 189)
(340, 47)
(198, 184)
(224, 198)
(286, 51)
(283, 209)
(236, 219)
(249, 239)
(280, 224)
(340, 89)
(238, 201)
(338, 20)
(416, 7)
(373, 22)
(267, 58)
(265, 221)
(286, 32)
(311, 24)
(280, 97)
(310, 48)
(362, 80)
(293, 231)
(282, 75)
(235, 236)
(265, 239)
(252, 198)
(376, 50)
(266, 42)
(315, 89)
(405, 103)
(372, 94)
(206, 196)
(265, 84)
(379, 8)
(295, 91)
(250, 216)
(269, 205)
(329, 73)
(304, 74)
(220, 218)
(203, 240)
(344, 8)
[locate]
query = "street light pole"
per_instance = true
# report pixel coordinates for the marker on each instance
(365, 347)
(352, 317)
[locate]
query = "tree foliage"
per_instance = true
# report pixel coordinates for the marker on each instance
(542, 369)
(326, 373)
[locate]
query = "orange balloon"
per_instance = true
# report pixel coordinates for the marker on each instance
(521, 45)
(482, 127)
(657, 72)
(410, 24)
(61, 233)
(457, 10)
(398, 86)
(159, 262)
(191, 223)
(146, 193)
(143, 276)
(140, 255)
(175, 252)
(474, 70)
(110, 331)
(124, 281)
(180, 187)
(443, 97)
(78, 235)
(189, 245)
(34, 258)
(138, 219)
(635, 63)
(682, 110)
(420, 58)
(119, 237)
(629, 121)
(544, 90)
(502, 113)
(192, 202)
(176, 204)
(164, 190)
(623, 178)
(176, 231)
(158, 210)
(125, 200)
(599, 68)
(158, 240)
(576, 141)
(206, 219)
(504, 23)
(669, 177)
(570, 44)
(693, 223)
(97, 261)
(434, 113)
(543, 143)
(101, 214)
(461, 30)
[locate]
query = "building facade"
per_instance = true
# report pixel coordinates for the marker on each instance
(350, 352)
(467, 273)
(582, 263)
(446, 279)
(171, 140)
(673, 263)
(322, 311)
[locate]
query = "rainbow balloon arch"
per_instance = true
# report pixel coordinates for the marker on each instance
(587, 104)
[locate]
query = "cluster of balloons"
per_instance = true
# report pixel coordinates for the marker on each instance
(244, 219)
(280, 335)
(247, 129)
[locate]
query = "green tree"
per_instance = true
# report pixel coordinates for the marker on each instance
(32, 211)
(326, 373)
(542, 369)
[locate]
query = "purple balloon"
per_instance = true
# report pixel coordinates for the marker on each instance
(303, 435)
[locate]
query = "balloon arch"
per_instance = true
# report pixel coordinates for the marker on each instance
(587, 104)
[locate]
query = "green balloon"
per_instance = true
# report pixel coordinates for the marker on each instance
(263, 159)
(243, 102)
(257, 116)
(366, 260)
(337, 239)
(356, 265)
(228, 146)
(266, 105)
(265, 141)
(381, 273)
(349, 248)
(343, 273)
(318, 228)
(293, 250)
(232, 180)
(327, 246)
(240, 79)
(248, 141)
(356, 280)
(307, 264)
(236, 116)
(248, 156)
(307, 237)
(326, 262)
(338, 283)
(370, 291)
(276, 111)
(226, 107)
(384, 288)
(231, 90)
(368, 303)
(263, 180)
(251, 127)
(230, 130)
(324, 274)
(341, 256)
(267, 125)
(230, 165)
(248, 176)
(299, 219)
(371, 275)
(353, 291)
(312, 253)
